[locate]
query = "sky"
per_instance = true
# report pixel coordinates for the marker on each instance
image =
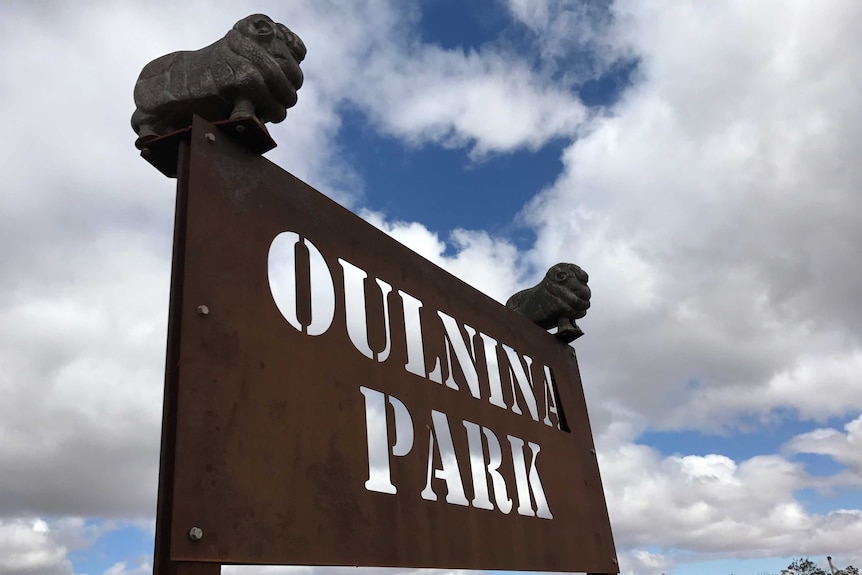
(699, 159)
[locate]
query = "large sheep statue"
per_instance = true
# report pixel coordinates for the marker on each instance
(557, 301)
(252, 72)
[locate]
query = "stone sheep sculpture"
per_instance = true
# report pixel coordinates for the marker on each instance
(557, 301)
(252, 72)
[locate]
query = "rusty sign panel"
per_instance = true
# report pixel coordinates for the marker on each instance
(335, 399)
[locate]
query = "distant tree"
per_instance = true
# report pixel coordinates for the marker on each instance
(805, 566)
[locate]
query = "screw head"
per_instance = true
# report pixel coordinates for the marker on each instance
(203, 310)
(593, 451)
(240, 128)
(196, 533)
(210, 137)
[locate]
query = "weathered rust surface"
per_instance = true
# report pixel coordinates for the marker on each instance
(162, 152)
(180, 568)
(161, 555)
(271, 458)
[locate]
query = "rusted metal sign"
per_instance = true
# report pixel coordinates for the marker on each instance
(335, 399)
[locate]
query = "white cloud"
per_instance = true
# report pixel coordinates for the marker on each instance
(26, 547)
(563, 28)
(122, 568)
(845, 448)
(713, 504)
(485, 101)
(486, 263)
(82, 429)
(716, 226)
(817, 386)
(642, 562)
(33, 546)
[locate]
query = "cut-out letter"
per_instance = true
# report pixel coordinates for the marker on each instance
(356, 314)
(528, 483)
(478, 468)
(455, 345)
(448, 471)
(413, 332)
(524, 378)
(282, 273)
(377, 429)
(495, 385)
(551, 400)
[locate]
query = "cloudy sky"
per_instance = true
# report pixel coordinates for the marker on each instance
(701, 160)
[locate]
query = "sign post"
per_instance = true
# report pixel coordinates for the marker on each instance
(332, 398)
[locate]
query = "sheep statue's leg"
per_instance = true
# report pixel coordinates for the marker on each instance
(568, 330)
(242, 108)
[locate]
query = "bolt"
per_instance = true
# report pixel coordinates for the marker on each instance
(210, 136)
(240, 128)
(614, 560)
(203, 310)
(196, 533)
(593, 451)
(146, 152)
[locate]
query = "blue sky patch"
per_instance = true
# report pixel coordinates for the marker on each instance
(453, 24)
(737, 445)
(114, 547)
(443, 188)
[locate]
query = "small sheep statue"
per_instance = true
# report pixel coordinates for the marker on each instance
(557, 301)
(253, 72)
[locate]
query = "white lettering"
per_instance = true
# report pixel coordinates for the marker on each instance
(449, 471)
(496, 386)
(455, 345)
(282, 263)
(478, 467)
(413, 332)
(551, 399)
(355, 313)
(485, 459)
(379, 477)
(528, 483)
(303, 289)
(524, 377)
